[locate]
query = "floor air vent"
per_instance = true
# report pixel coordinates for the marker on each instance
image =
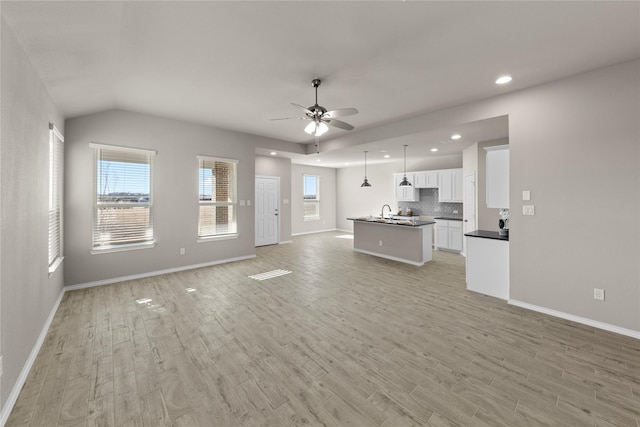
(269, 274)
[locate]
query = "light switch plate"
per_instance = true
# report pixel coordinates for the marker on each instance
(526, 195)
(248, 202)
(242, 203)
(285, 201)
(528, 210)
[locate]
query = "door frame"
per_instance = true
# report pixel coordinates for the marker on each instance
(465, 223)
(255, 202)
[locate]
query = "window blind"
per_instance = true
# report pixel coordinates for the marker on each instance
(56, 159)
(123, 209)
(217, 180)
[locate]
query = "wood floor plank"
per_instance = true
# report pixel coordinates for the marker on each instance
(344, 339)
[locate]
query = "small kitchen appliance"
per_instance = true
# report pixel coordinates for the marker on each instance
(503, 222)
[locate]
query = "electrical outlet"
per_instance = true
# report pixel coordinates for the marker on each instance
(598, 294)
(379, 242)
(183, 251)
(0, 366)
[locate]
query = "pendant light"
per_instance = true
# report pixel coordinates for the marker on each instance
(365, 183)
(405, 182)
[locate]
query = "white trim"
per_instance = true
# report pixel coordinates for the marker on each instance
(53, 267)
(218, 159)
(120, 148)
(589, 322)
(393, 258)
(313, 232)
(56, 132)
(286, 242)
(155, 273)
(344, 231)
(122, 248)
(206, 239)
(17, 386)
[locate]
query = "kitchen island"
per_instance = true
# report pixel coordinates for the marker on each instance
(405, 241)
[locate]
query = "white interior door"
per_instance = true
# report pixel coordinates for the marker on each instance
(469, 207)
(267, 210)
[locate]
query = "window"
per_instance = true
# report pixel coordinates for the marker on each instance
(123, 208)
(217, 215)
(56, 158)
(311, 196)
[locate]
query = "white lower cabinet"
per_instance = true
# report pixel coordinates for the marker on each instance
(449, 235)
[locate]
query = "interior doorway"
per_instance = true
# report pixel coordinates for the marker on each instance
(469, 207)
(267, 210)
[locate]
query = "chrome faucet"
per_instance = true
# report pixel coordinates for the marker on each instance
(382, 214)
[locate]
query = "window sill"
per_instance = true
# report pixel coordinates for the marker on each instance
(53, 267)
(216, 238)
(312, 218)
(122, 248)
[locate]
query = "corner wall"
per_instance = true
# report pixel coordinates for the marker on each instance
(175, 187)
(27, 293)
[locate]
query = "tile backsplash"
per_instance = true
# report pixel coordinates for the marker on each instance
(429, 205)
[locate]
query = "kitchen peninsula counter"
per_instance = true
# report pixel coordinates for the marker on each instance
(405, 241)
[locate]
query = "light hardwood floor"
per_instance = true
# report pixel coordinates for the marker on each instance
(345, 339)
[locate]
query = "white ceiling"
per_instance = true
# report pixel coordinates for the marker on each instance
(238, 64)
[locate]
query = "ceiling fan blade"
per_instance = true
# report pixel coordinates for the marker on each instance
(340, 112)
(306, 110)
(338, 124)
(291, 118)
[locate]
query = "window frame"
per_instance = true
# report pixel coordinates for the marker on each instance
(233, 203)
(119, 247)
(56, 200)
(316, 200)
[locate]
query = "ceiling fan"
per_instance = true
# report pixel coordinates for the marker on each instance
(320, 117)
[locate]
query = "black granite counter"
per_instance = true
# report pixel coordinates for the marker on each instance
(484, 234)
(448, 218)
(393, 222)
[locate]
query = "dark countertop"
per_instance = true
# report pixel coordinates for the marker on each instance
(487, 235)
(448, 218)
(394, 223)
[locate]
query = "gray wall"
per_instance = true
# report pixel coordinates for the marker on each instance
(280, 167)
(574, 145)
(27, 293)
(354, 200)
(175, 193)
(327, 219)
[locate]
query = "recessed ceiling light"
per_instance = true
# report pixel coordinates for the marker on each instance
(434, 150)
(318, 160)
(347, 163)
(386, 156)
(503, 80)
(273, 153)
(455, 137)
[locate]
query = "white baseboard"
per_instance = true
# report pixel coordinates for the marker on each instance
(392, 258)
(154, 273)
(313, 232)
(344, 231)
(285, 242)
(17, 386)
(596, 324)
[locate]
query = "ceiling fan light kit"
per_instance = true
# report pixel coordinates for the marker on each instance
(321, 119)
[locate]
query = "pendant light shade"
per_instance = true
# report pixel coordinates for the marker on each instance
(405, 182)
(365, 183)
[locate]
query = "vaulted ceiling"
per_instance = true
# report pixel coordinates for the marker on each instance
(236, 64)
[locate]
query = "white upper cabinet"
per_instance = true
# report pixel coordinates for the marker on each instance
(407, 193)
(498, 176)
(450, 185)
(426, 179)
